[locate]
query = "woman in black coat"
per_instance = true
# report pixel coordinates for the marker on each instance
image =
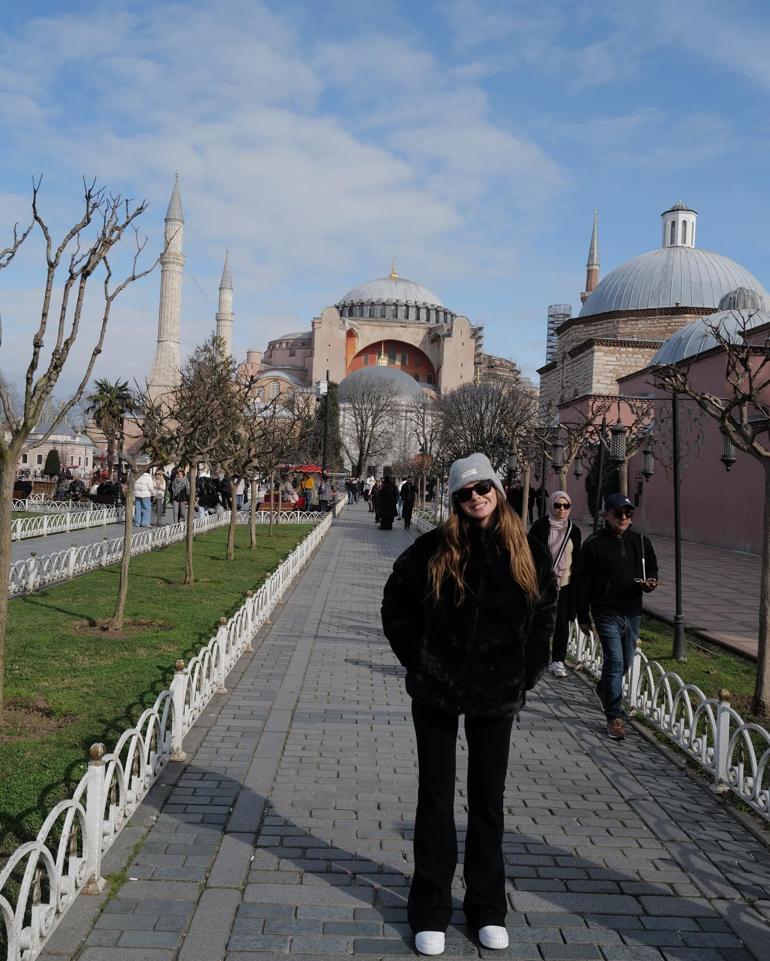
(469, 612)
(386, 504)
(562, 538)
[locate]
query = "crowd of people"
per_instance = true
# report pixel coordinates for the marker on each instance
(475, 610)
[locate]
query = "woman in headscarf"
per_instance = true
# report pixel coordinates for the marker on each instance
(468, 611)
(562, 538)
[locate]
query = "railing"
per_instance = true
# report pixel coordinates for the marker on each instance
(43, 877)
(63, 521)
(36, 506)
(734, 752)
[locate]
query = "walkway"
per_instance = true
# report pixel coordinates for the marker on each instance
(288, 829)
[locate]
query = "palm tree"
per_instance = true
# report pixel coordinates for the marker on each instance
(108, 404)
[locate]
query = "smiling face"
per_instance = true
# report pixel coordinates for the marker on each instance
(620, 520)
(480, 507)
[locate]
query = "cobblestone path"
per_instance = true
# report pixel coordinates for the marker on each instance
(287, 832)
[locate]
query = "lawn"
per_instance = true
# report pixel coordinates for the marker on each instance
(708, 666)
(69, 686)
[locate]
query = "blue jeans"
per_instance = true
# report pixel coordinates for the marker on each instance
(142, 511)
(617, 635)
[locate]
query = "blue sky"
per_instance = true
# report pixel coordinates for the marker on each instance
(470, 139)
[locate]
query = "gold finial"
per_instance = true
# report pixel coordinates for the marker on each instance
(382, 360)
(393, 271)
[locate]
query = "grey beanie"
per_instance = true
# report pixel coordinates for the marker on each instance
(467, 470)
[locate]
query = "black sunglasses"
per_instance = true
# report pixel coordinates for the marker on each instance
(465, 493)
(562, 507)
(624, 512)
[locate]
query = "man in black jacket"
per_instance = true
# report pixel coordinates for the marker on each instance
(617, 565)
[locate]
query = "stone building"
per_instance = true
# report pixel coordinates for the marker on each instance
(626, 316)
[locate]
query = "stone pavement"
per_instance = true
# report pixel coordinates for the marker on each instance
(287, 831)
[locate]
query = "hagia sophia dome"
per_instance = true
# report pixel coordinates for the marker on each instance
(379, 378)
(393, 298)
(677, 275)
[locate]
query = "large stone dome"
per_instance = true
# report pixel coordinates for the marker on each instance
(674, 276)
(740, 310)
(393, 298)
(379, 379)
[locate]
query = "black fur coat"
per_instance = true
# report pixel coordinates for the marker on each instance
(479, 656)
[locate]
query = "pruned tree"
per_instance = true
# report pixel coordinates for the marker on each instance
(367, 419)
(743, 416)
(52, 466)
(324, 442)
(70, 264)
(426, 427)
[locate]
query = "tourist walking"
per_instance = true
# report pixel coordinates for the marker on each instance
(562, 538)
(325, 495)
(368, 488)
(158, 498)
(180, 494)
(374, 501)
(617, 566)
(386, 504)
(469, 611)
(408, 497)
(144, 490)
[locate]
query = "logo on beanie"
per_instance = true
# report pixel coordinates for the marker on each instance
(469, 473)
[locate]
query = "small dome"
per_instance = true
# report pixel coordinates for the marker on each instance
(675, 276)
(390, 290)
(742, 299)
(390, 380)
(698, 337)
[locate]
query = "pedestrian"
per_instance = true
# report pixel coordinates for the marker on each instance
(469, 611)
(158, 498)
(374, 501)
(408, 497)
(386, 504)
(368, 488)
(144, 490)
(180, 494)
(240, 492)
(617, 566)
(562, 538)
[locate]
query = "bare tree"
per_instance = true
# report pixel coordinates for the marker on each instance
(743, 416)
(69, 266)
(367, 418)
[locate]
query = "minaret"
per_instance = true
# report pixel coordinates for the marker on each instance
(225, 312)
(592, 266)
(164, 374)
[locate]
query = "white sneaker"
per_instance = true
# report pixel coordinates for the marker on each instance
(493, 936)
(558, 669)
(430, 942)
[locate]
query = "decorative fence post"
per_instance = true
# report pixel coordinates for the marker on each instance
(178, 689)
(222, 656)
(634, 677)
(33, 568)
(71, 561)
(722, 742)
(95, 803)
(249, 647)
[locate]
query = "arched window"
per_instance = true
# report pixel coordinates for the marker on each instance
(429, 378)
(673, 233)
(406, 312)
(382, 311)
(684, 231)
(275, 389)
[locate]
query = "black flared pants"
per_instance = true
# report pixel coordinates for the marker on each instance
(435, 839)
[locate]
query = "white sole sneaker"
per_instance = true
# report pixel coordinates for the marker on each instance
(558, 669)
(429, 942)
(493, 936)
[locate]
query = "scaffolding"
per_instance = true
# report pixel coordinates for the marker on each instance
(557, 315)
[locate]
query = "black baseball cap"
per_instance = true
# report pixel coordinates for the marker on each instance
(614, 502)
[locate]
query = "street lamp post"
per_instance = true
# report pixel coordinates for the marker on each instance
(600, 478)
(680, 644)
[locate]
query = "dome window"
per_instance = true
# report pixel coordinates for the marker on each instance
(672, 240)
(429, 378)
(275, 389)
(366, 360)
(684, 231)
(404, 358)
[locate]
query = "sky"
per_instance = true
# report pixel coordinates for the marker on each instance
(469, 139)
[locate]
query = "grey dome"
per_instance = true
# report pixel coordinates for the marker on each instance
(391, 290)
(698, 337)
(670, 277)
(742, 299)
(379, 379)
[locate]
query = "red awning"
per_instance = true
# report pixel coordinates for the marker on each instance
(302, 468)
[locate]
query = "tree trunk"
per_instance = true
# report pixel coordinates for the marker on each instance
(233, 520)
(7, 476)
(272, 502)
(563, 475)
(253, 514)
(116, 621)
(525, 475)
(761, 701)
(623, 477)
(189, 576)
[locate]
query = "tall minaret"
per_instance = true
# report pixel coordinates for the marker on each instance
(592, 267)
(225, 312)
(164, 375)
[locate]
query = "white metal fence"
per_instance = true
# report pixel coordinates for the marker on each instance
(64, 521)
(43, 877)
(36, 506)
(735, 752)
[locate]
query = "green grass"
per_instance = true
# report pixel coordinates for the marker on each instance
(708, 666)
(83, 689)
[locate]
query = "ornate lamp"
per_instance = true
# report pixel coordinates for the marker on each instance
(557, 451)
(577, 470)
(648, 468)
(618, 435)
(728, 452)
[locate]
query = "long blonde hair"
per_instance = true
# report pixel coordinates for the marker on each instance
(453, 551)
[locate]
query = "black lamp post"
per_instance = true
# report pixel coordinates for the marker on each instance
(557, 451)
(600, 472)
(728, 452)
(680, 644)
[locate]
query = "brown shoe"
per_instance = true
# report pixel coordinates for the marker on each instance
(616, 729)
